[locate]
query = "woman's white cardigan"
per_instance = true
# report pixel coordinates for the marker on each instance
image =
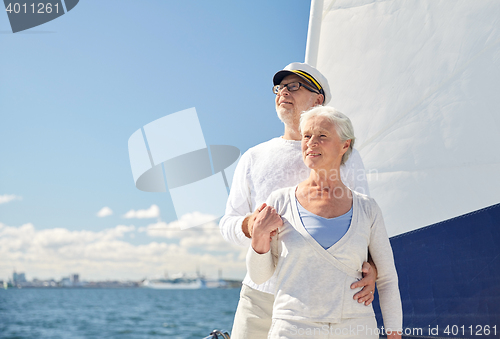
(313, 283)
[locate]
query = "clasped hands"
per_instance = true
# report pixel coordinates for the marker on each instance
(262, 226)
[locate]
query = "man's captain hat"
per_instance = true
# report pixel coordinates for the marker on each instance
(311, 75)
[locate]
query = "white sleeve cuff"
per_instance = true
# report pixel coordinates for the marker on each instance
(260, 266)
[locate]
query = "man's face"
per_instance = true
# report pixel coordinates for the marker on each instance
(290, 105)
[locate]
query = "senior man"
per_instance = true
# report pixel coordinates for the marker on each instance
(272, 165)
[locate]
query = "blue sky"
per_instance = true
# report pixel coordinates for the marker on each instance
(72, 91)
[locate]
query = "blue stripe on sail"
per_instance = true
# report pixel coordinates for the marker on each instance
(449, 274)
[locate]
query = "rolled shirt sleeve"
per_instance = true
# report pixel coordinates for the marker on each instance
(238, 205)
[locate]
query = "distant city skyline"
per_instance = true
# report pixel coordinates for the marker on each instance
(175, 281)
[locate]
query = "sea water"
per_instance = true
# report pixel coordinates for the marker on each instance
(115, 313)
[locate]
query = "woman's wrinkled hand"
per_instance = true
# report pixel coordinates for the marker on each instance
(264, 228)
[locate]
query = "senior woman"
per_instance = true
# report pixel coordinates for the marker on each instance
(315, 237)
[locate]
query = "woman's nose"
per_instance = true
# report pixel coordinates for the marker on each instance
(313, 141)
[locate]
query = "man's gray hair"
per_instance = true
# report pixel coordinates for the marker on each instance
(342, 123)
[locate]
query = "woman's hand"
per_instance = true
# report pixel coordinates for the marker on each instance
(264, 228)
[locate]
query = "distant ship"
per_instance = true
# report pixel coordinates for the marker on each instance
(175, 284)
(181, 282)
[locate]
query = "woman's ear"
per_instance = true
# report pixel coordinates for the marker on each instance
(346, 145)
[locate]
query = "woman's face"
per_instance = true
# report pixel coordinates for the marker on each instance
(321, 145)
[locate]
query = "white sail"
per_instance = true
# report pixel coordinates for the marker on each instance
(421, 81)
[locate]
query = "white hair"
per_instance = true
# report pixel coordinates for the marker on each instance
(342, 124)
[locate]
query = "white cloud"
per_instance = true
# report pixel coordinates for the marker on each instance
(109, 254)
(207, 236)
(104, 212)
(184, 226)
(9, 197)
(152, 212)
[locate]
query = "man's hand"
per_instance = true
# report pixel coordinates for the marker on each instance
(368, 284)
(247, 225)
(394, 335)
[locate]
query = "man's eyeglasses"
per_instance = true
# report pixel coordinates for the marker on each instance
(292, 87)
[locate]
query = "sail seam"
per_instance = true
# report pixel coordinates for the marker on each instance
(445, 221)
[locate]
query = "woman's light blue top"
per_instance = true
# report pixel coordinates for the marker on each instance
(326, 231)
